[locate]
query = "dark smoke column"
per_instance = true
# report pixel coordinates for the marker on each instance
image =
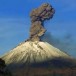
(38, 16)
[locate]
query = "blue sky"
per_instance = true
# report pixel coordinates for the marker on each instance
(15, 23)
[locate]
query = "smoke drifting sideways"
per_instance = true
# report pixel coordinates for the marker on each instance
(38, 16)
(66, 43)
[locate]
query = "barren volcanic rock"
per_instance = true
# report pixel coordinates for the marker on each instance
(38, 16)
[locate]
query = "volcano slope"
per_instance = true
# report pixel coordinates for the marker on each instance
(39, 59)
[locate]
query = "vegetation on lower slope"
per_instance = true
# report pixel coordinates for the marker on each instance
(3, 70)
(54, 67)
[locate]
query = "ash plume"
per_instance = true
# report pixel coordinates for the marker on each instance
(66, 44)
(38, 16)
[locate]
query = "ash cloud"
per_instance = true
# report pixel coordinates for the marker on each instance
(38, 16)
(66, 44)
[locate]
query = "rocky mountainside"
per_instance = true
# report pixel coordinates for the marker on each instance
(37, 59)
(33, 52)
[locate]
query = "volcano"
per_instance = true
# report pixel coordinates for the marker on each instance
(35, 57)
(38, 59)
(30, 52)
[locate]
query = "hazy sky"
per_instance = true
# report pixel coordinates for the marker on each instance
(15, 23)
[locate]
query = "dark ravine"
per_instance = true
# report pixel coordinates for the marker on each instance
(38, 16)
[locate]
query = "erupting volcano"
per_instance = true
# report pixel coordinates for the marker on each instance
(35, 57)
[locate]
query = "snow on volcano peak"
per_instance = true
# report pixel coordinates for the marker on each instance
(33, 52)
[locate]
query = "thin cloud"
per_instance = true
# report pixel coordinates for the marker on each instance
(10, 27)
